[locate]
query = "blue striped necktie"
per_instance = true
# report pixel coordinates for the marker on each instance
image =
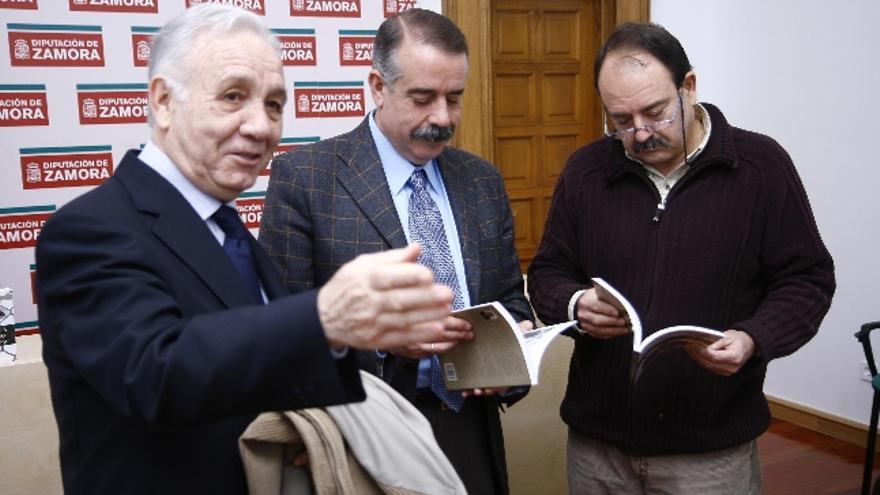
(238, 249)
(426, 228)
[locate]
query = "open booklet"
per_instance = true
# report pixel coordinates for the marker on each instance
(500, 354)
(667, 338)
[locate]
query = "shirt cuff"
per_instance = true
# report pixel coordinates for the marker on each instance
(572, 303)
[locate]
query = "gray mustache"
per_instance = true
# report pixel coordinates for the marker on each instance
(650, 144)
(433, 133)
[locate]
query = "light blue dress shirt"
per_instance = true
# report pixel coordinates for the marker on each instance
(397, 172)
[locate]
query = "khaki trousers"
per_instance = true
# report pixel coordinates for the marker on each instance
(596, 467)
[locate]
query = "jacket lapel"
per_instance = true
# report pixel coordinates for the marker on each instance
(360, 173)
(269, 277)
(463, 196)
(178, 226)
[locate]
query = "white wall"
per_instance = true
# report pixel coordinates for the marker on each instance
(806, 73)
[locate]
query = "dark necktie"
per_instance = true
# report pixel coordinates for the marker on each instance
(238, 249)
(426, 228)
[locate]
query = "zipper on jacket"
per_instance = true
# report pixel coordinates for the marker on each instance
(658, 213)
(661, 207)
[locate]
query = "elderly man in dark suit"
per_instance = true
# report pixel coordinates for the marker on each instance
(390, 181)
(166, 330)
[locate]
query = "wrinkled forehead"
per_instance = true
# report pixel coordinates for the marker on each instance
(633, 63)
(630, 62)
(238, 44)
(632, 72)
(233, 37)
(427, 65)
(242, 59)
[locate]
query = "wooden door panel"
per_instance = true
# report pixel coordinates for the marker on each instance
(516, 99)
(513, 41)
(524, 210)
(561, 35)
(519, 156)
(557, 148)
(560, 98)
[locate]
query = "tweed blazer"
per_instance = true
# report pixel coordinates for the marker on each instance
(329, 202)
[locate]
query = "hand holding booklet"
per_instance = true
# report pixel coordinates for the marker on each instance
(500, 354)
(659, 341)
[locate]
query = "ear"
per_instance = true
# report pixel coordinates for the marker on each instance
(689, 88)
(161, 99)
(377, 86)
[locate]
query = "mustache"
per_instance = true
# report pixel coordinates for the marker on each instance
(650, 144)
(433, 133)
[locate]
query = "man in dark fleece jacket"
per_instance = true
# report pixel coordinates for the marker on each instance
(695, 222)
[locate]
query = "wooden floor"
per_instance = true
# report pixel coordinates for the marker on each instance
(798, 461)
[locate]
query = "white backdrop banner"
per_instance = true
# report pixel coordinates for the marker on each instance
(73, 99)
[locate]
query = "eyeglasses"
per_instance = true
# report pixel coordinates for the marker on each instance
(652, 128)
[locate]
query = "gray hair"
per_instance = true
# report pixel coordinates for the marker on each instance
(423, 26)
(173, 44)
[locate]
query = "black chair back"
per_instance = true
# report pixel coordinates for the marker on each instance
(864, 336)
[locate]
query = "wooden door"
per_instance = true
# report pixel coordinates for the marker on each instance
(530, 100)
(543, 106)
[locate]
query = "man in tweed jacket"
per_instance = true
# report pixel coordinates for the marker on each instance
(332, 201)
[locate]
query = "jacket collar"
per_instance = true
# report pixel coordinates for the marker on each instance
(360, 173)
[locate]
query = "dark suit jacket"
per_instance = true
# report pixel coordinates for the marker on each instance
(156, 362)
(329, 202)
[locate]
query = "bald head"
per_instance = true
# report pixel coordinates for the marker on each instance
(631, 41)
